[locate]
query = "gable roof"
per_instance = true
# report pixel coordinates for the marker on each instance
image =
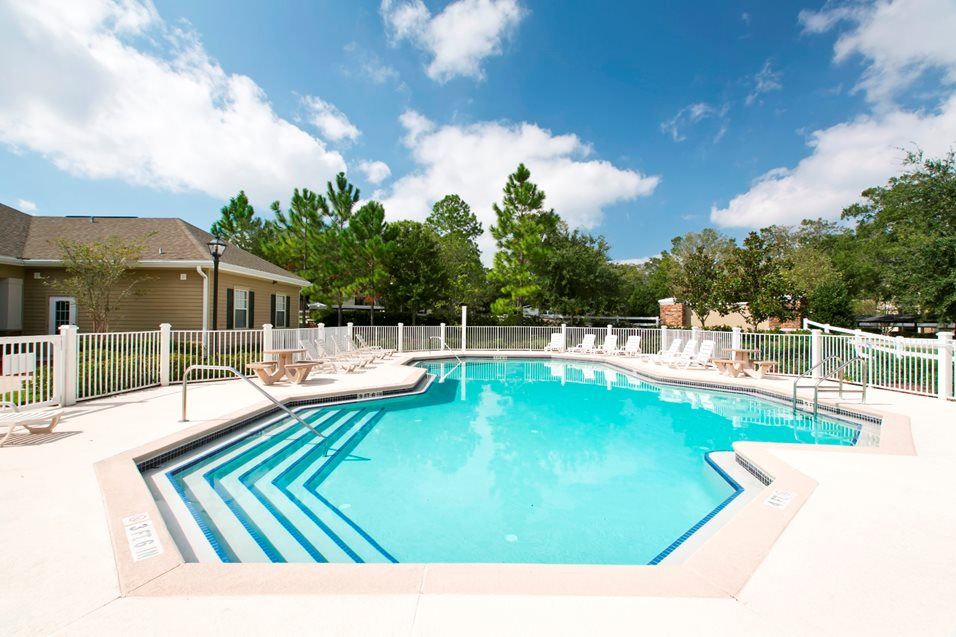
(168, 241)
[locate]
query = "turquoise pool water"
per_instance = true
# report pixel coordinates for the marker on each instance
(537, 461)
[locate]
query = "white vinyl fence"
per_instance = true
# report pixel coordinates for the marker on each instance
(41, 370)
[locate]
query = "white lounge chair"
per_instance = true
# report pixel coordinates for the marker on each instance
(632, 347)
(610, 346)
(556, 344)
(586, 346)
(672, 350)
(685, 355)
(379, 351)
(37, 421)
(699, 359)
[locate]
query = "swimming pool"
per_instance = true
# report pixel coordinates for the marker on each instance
(528, 461)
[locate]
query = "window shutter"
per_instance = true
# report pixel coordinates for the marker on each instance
(272, 310)
(288, 309)
(251, 321)
(229, 308)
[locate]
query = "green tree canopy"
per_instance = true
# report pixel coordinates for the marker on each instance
(522, 233)
(910, 223)
(370, 242)
(452, 215)
(698, 273)
(239, 225)
(99, 275)
(417, 279)
(579, 279)
(756, 278)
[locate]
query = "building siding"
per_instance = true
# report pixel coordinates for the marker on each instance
(262, 289)
(162, 297)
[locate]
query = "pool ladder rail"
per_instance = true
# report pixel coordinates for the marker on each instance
(834, 375)
(442, 347)
(229, 368)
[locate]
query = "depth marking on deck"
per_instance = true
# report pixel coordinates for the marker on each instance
(779, 499)
(143, 543)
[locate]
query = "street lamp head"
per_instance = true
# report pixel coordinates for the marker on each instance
(216, 247)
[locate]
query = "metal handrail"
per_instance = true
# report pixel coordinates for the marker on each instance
(444, 346)
(229, 368)
(809, 370)
(828, 377)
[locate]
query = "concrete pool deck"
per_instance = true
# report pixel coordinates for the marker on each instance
(870, 550)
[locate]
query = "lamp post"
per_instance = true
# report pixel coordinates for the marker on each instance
(216, 247)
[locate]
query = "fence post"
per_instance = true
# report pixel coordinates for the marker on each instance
(564, 339)
(816, 351)
(401, 336)
(735, 342)
(267, 341)
(65, 371)
(349, 330)
(464, 327)
(165, 345)
(695, 334)
(321, 332)
(944, 375)
(441, 333)
(608, 329)
(664, 343)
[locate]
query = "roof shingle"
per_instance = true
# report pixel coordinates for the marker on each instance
(166, 239)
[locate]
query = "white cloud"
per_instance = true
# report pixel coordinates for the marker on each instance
(329, 120)
(474, 161)
(375, 171)
(109, 90)
(899, 39)
(25, 205)
(764, 81)
(636, 260)
(459, 38)
(693, 113)
(845, 159)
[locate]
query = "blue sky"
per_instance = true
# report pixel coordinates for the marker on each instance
(641, 120)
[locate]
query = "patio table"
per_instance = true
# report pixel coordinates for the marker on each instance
(740, 362)
(284, 357)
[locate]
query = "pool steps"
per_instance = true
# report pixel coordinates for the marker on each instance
(267, 487)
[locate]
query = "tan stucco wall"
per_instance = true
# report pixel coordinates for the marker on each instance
(262, 289)
(734, 319)
(163, 298)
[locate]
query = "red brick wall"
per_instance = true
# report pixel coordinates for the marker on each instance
(674, 315)
(788, 324)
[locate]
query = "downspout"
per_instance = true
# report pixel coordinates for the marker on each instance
(205, 298)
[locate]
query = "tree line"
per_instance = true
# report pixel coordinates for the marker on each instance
(894, 250)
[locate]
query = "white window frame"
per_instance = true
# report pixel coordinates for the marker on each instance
(236, 293)
(280, 298)
(52, 311)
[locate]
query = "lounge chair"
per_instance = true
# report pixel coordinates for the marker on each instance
(668, 354)
(632, 347)
(556, 344)
(37, 421)
(315, 351)
(380, 352)
(609, 346)
(700, 359)
(586, 346)
(690, 348)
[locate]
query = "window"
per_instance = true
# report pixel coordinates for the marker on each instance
(62, 312)
(240, 309)
(281, 311)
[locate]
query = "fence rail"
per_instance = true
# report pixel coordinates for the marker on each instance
(41, 370)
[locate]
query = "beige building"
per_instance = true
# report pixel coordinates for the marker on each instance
(674, 314)
(175, 277)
